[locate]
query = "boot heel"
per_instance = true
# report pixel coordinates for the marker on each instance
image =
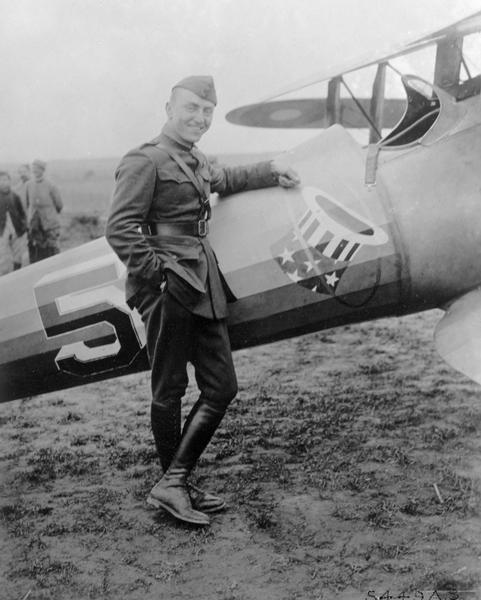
(188, 515)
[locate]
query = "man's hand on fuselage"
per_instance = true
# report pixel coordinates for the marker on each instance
(287, 177)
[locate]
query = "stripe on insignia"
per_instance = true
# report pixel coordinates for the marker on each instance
(339, 248)
(352, 251)
(304, 219)
(310, 231)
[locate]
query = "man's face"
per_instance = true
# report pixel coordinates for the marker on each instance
(4, 183)
(37, 171)
(189, 114)
(23, 173)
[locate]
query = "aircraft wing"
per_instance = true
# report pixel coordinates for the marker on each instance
(458, 335)
(311, 113)
(465, 26)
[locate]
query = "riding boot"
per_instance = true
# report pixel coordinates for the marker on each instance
(165, 424)
(201, 500)
(171, 493)
(204, 501)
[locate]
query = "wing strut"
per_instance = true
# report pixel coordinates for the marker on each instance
(361, 108)
(449, 56)
(377, 102)
(333, 104)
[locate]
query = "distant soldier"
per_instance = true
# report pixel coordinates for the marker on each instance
(20, 244)
(13, 224)
(44, 205)
(20, 188)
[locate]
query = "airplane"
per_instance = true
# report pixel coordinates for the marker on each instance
(386, 229)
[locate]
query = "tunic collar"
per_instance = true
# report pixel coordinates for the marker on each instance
(169, 132)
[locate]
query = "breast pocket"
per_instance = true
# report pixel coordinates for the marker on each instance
(171, 172)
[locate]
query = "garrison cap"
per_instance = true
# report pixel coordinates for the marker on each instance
(40, 163)
(201, 85)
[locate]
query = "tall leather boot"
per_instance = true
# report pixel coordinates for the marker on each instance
(200, 499)
(171, 492)
(165, 425)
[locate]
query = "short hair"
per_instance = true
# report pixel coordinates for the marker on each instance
(5, 174)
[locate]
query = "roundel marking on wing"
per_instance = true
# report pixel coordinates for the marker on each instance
(285, 114)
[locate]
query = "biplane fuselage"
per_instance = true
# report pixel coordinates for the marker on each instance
(330, 252)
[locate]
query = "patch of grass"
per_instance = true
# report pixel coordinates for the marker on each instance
(263, 517)
(46, 572)
(383, 515)
(20, 517)
(25, 423)
(69, 418)
(388, 551)
(96, 513)
(122, 457)
(376, 367)
(56, 402)
(168, 571)
(49, 463)
(460, 493)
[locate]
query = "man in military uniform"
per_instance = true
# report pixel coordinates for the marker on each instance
(20, 243)
(13, 224)
(44, 205)
(158, 226)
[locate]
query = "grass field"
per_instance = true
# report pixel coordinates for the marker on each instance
(328, 459)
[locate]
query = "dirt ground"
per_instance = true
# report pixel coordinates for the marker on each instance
(350, 461)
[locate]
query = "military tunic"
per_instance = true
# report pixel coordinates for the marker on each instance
(13, 225)
(44, 205)
(151, 187)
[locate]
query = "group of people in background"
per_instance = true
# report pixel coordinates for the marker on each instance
(29, 217)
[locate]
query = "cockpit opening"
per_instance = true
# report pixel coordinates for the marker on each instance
(421, 112)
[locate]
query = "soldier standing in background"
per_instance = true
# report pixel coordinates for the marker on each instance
(13, 224)
(44, 205)
(20, 244)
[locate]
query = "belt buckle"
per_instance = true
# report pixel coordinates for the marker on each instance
(202, 228)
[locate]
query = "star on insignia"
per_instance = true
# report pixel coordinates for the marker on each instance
(331, 279)
(286, 256)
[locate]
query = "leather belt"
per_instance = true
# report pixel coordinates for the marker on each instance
(194, 228)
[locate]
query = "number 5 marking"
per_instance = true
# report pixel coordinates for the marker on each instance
(84, 308)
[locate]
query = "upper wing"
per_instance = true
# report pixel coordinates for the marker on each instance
(463, 27)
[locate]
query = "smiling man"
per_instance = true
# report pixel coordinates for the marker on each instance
(158, 226)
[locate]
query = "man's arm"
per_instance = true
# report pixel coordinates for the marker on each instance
(132, 198)
(56, 198)
(231, 180)
(22, 217)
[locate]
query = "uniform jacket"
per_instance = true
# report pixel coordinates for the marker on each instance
(44, 203)
(151, 187)
(21, 190)
(10, 203)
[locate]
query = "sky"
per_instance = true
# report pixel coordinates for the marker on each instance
(90, 78)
